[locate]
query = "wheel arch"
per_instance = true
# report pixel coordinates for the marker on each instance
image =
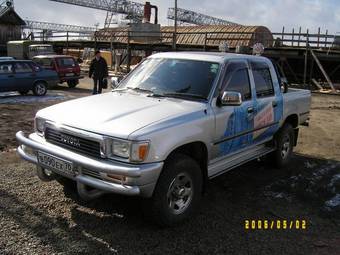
(198, 151)
(293, 120)
(40, 80)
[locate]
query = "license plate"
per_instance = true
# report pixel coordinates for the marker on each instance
(69, 74)
(54, 163)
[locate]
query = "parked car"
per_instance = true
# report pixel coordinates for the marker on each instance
(25, 75)
(176, 121)
(66, 66)
(6, 58)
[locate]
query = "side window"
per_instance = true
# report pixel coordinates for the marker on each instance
(263, 80)
(237, 79)
(23, 68)
(6, 68)
(36, 67)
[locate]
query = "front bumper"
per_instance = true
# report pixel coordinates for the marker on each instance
(140, 180)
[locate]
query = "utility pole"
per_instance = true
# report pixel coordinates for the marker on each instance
(175, 30)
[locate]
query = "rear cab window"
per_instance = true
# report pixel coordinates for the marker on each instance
(262, 78)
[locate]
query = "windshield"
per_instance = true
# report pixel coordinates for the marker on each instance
(173, 77)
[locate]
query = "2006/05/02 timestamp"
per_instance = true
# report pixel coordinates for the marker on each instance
(275, 224)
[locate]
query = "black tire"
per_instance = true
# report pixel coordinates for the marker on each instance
(179, 169)
(23, 92)
(72, 83)
(40, 88)
(284, 141)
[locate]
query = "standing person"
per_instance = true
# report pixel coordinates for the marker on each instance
(98, 71)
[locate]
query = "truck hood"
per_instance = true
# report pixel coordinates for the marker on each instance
(117, 114)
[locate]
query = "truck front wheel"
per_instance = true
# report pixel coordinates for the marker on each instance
(284, 141)
(177, 193)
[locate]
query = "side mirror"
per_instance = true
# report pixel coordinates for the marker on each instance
(230, 98)
(284, 85)
(114, 82)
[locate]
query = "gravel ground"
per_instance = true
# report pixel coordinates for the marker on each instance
(46, 218)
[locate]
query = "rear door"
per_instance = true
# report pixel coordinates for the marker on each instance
(24, 76)
(7, 81)
(234, 124)
(67, 67)
(269, 101)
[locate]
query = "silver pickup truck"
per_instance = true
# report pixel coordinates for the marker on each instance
(176, 121)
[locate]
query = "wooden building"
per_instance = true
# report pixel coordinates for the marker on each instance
(10, 27)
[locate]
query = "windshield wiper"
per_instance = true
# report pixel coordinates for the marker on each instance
(149, 91)
(184, 95)
(141, 90)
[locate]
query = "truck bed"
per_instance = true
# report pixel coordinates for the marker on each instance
(297, 101)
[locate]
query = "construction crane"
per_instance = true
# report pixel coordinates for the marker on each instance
(192, 17)
(133, 11)
(55, 27)
(5, 5)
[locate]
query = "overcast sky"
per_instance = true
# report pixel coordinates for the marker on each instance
(271, 13)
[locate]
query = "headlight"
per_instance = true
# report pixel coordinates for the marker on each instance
(39, 125)
(133, 151)
(121, 148)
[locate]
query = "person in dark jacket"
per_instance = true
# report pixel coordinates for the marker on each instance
(98, 71)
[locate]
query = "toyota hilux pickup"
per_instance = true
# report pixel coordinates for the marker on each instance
(174, 122)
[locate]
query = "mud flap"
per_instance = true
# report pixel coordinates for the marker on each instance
(296, 136)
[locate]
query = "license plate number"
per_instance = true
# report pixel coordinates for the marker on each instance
(69, 74)
(55, 163)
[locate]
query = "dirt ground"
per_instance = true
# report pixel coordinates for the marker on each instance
(45, 218)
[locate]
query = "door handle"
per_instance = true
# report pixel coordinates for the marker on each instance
(250, 110)
(10, 76)
(274, 103)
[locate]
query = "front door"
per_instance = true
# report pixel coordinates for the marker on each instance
(24, 76)
(6, 77)
(234, 124)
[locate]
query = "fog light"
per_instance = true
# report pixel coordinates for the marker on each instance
(48, 172)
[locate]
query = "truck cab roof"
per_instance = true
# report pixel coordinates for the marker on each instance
(218, 57)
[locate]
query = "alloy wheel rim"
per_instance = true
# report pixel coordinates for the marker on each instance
(40, 89)
(180, 193)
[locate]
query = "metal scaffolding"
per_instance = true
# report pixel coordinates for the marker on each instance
(5, 5)
(133, 11)
(192, 17)
(54, 27)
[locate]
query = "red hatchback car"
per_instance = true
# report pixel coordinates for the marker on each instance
(66, 66)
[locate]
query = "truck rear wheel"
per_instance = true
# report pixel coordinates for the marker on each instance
(177, 193)
(284, 146)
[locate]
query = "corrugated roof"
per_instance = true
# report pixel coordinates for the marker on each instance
(202, 35)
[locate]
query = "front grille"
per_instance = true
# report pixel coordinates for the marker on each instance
(73, 143)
